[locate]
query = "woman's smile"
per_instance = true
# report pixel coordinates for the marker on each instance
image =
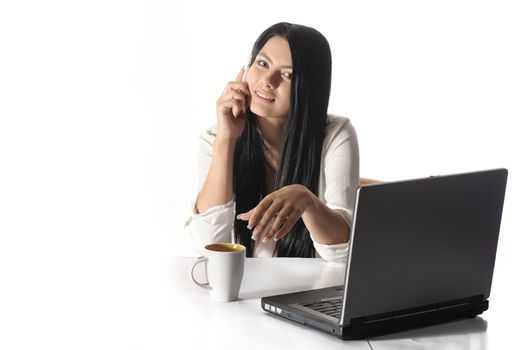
(265, 97)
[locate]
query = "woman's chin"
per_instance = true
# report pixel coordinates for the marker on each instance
(264, 113)
(257, 110)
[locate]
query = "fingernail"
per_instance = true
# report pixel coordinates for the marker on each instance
(250, 227)
(238, 217)
(254, 238)
(275, 239)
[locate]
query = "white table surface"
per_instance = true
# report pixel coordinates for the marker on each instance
(218, 322)
(139, 302)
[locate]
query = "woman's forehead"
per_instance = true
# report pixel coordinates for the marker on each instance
(277, 51)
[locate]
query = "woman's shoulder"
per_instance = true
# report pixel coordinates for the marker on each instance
(338, 126)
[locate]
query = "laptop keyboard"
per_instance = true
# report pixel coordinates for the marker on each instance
(331, 307)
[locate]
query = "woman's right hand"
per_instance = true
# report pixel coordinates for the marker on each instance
(231, 107)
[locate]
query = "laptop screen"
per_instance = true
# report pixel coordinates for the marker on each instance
(423, 241)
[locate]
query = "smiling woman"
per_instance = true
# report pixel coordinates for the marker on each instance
(278, 174)
(269, 80)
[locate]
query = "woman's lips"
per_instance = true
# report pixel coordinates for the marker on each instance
(264, 97)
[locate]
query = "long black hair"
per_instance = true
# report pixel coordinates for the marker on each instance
(302, 138)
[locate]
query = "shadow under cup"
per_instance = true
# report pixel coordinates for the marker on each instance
(225, 265)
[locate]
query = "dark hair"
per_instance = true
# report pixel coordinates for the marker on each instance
(302, 138)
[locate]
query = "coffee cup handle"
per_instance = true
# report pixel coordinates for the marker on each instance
(198, 261)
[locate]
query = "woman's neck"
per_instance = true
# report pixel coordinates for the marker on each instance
(272, 132)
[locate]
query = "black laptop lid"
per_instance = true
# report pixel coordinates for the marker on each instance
(423, 241)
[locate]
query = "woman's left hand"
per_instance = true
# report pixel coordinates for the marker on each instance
(284, 207)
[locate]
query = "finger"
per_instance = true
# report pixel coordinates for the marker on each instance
(240, 75)
(245, 216)
(232, 93)
(287, 226)
(259, 210)
(264, 233)
(235, 95)
(277, 222)
(227, 106)
(280, 220)
(224, 106)
(236, 110)
(238, 95)
(238, 107)
(239, 87)
(231, 96)
(264, 225)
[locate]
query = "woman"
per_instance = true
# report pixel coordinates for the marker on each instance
(278, 174)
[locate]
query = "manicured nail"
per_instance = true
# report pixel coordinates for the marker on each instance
(238, 217)
(250, 227)
(275, 238)
(254, 238)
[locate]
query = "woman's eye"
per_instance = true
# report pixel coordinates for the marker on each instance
(287, 75)
(262, 63)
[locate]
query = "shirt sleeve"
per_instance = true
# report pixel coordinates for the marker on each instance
(339, 180)
(215, 224)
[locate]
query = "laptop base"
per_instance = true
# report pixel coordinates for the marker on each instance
(361, 328)
(368, 327)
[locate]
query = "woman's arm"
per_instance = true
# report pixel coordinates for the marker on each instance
(325, 225)
(285, 206)
(215, 224)
(217, 188)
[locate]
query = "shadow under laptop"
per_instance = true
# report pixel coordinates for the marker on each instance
(461, 327)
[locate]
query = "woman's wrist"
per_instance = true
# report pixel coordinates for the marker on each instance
(325, 225)
(224, 142)
(312, 201)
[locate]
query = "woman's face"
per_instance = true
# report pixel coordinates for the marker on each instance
(269, 79)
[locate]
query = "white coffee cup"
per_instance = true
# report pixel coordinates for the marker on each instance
(225, 264)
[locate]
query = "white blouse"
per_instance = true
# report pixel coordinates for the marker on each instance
(339, 178)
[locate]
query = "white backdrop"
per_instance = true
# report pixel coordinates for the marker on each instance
(101, 103)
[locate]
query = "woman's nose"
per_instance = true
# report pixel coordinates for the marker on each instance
(272, 79)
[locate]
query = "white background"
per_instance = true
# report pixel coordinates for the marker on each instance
(101, 103)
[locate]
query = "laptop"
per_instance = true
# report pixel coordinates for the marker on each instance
(421, 252)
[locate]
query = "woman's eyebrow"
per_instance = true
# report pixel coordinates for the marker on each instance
(265, 56)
